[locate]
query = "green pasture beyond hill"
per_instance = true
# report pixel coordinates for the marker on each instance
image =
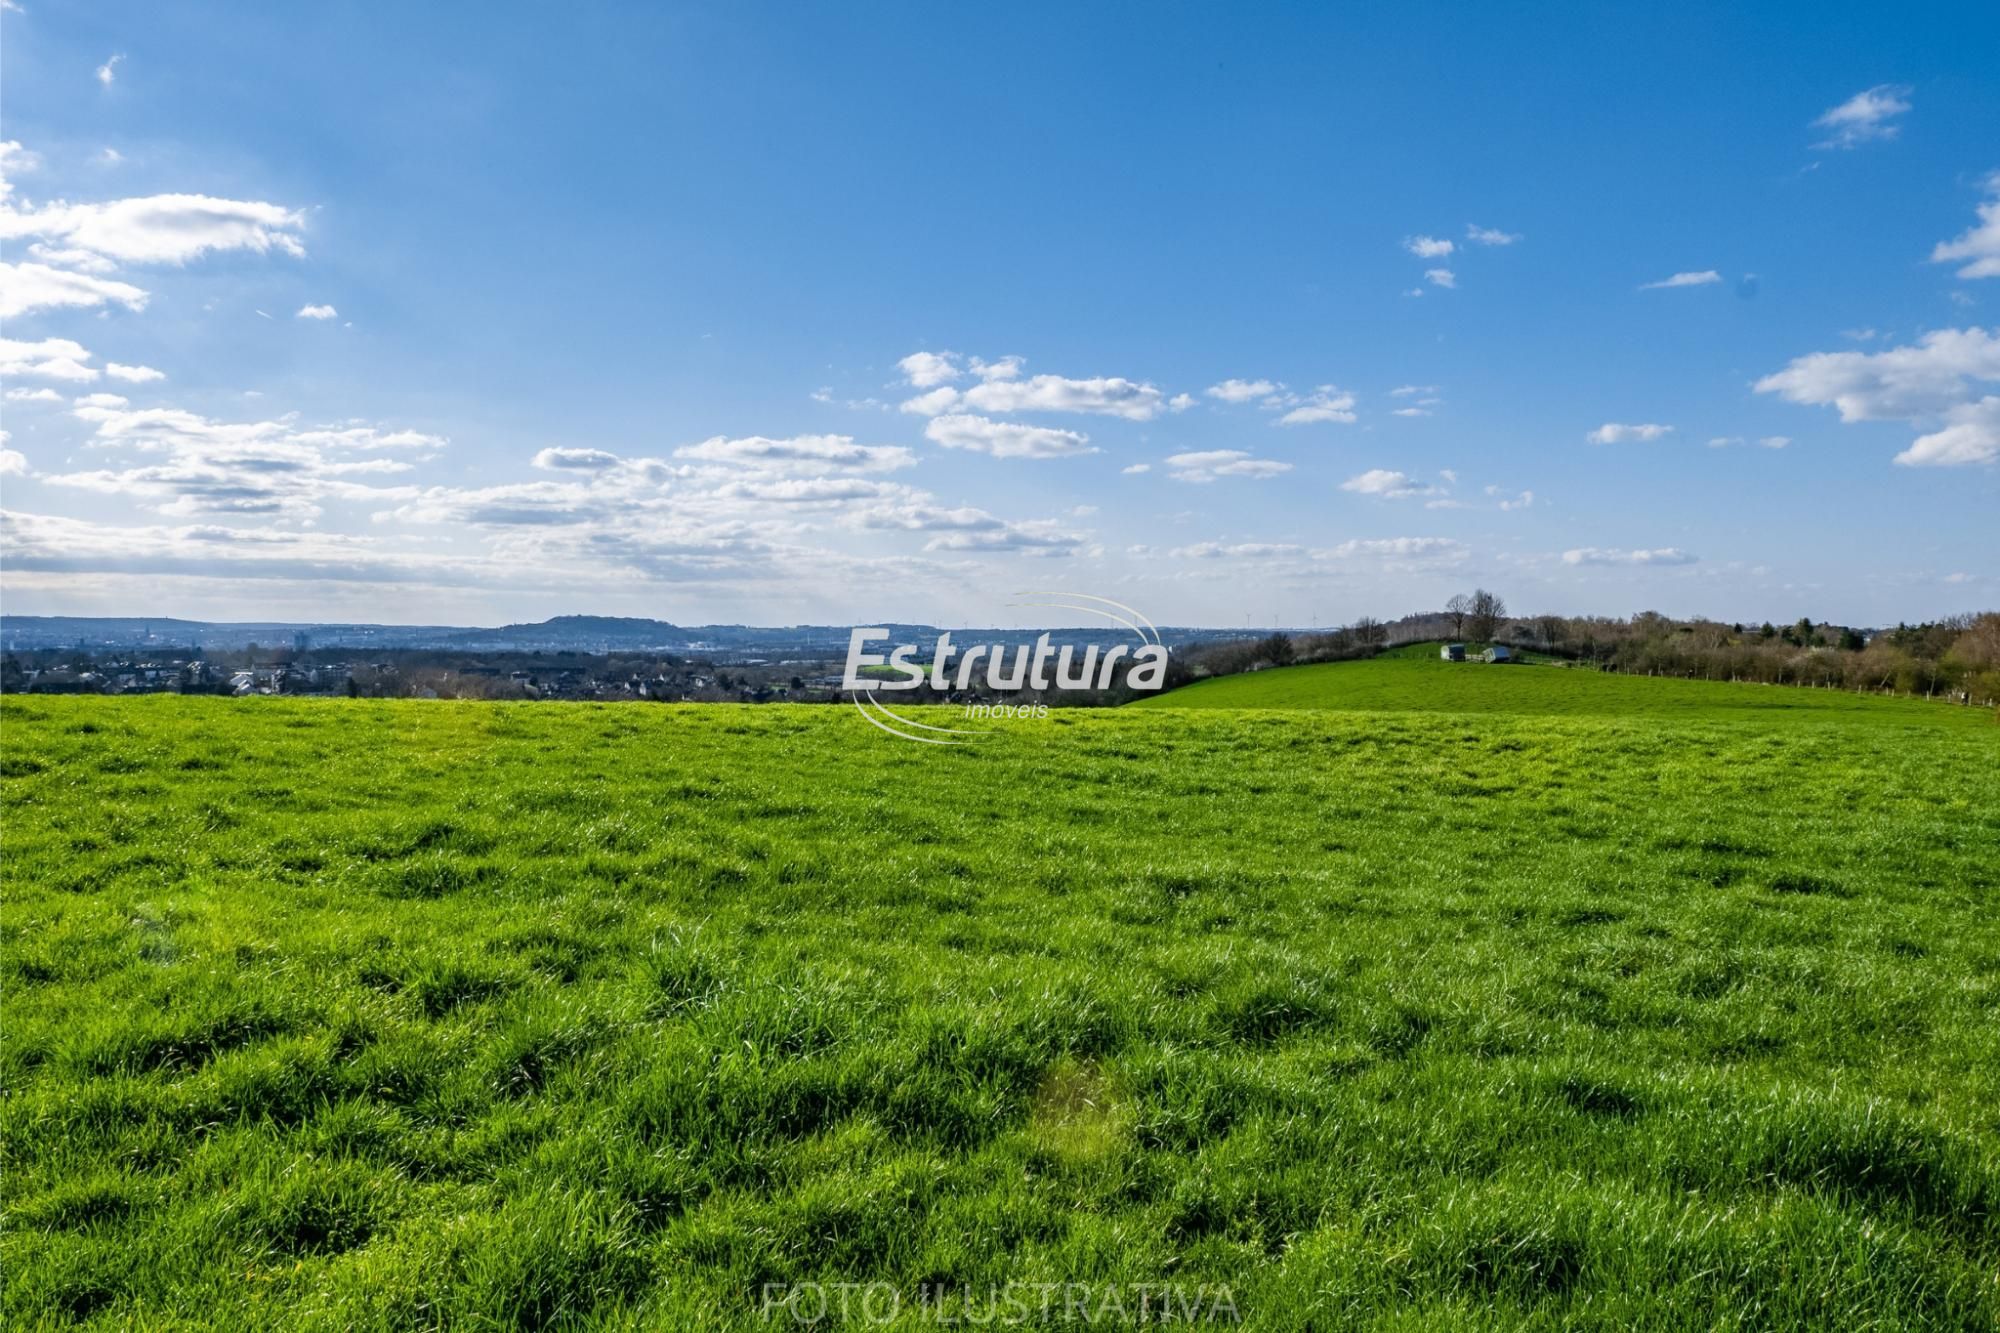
(348, 1014)
(1412, 679)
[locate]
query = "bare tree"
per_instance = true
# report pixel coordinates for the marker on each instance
(1369, 630)
(1458, 608)
(1550, 628)
(1485, 614)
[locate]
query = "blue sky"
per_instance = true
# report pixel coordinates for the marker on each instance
(789, 313)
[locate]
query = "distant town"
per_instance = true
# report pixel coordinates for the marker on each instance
(614, 658)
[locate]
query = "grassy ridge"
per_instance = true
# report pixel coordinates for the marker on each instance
(1416, 681)
(351, 1014)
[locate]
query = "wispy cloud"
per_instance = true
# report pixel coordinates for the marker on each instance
(1867, 116)
(1598, 555)
(107, 73)
(1693, 279)
(1428, 247)
(1213, 464)
(1977, 247)
(1617, 432)
(1479, 235)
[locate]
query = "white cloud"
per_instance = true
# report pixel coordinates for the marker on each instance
(1410, 412)
(1441, 277)
(1106, 396)
(1971, 435)
(802, 451)
(1387, 484)
(1479, 235)
(1901, 383)
(269, 468)
(49, 359)
(26, 287)
(1326, 403)
(575, 460)
(1180, 402)
(318, 312)
(1764, 442)
(13, 463)
(133, 374)
(33, 396)
(1614, 432)
(1136, 468)
(1697, 279)
(1005, 439)
(932, 403)
(1978, 247)
(1428, 247)
(1412, 390)
(1242, 391)
(1864, 117)
(925, 369)
(1212, 464)
(107, 73)
(161, 228)
(1597, 555)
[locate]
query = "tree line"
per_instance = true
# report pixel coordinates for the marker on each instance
(1957, 657)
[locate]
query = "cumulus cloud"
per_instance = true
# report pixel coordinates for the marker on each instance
(1105, 395)
(26, 287)
(161, 228)
(318, 312)
(802, 451)
(13, 463)
(1977, 247)
(1971, 435)
(1598, 555)
(930, 404)
(34, 396)
(1428, 247)
(133, 374)
(49, 359)
(1927, 378)
(1242, 391)
(1694, 279)
(1387, 484)
(1005, 439)
(1213, 464)
(1867, 116)
(1326, 403)
(1615, 432)
(574, 460)
(266, 468)
(925, 369)
(966, 528)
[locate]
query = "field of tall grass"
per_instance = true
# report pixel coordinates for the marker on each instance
(1588, 1011)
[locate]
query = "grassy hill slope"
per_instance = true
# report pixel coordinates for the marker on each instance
(349, 1014)
(1416, 681)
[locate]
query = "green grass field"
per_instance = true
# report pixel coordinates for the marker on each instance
(1467, 997)
(1415, 681)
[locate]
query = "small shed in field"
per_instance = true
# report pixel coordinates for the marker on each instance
(1452, 652)
(1499, 653)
